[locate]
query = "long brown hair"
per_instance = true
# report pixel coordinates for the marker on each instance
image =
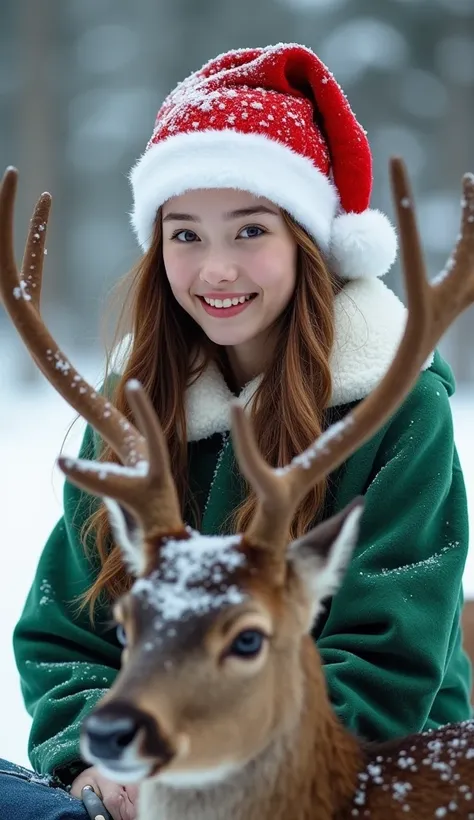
(169, 349)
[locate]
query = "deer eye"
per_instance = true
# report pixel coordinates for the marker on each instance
(121, 635)
(247, 644)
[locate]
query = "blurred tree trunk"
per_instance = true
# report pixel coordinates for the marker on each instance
(36, 136)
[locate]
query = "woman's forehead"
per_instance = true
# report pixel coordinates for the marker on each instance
(223, 199)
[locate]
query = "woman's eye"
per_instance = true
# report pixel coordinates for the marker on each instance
(185, 236)
(248, 644)
(252, 231)
(121, 635)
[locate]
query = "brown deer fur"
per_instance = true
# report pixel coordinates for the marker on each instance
(468, 633)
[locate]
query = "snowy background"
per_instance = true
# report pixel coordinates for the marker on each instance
(33, 426)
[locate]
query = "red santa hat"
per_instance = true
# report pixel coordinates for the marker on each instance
(272, 121)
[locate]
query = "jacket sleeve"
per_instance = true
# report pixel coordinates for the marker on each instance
(65, 663)
(391, 643)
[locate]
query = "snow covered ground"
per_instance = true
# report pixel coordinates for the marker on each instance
(33, 425)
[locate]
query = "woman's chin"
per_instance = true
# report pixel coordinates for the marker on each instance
(230, 337)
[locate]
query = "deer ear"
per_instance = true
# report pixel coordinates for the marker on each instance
(128, 535)
(321, 556)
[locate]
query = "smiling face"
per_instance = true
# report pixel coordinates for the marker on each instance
(231, 262)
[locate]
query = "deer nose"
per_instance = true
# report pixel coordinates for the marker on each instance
(109, 737)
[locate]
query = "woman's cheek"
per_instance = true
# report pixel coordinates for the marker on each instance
(179, 275)
(261, 269)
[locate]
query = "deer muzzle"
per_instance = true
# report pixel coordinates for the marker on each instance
(124, 742)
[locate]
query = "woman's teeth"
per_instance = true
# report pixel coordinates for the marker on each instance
(226, 303)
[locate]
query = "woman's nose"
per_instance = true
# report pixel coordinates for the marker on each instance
(217, 270)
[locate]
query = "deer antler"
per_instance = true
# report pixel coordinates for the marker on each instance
(431, 309)
(146, 488)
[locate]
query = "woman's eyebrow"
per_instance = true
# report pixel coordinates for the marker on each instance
(180, 218)
(257, 209)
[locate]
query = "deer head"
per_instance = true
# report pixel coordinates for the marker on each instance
(216, 629)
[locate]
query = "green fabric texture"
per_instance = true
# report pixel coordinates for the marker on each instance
(390, 638)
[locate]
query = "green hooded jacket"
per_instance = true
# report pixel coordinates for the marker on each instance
(390, 638)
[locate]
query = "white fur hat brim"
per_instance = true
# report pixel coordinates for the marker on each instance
(355, 245)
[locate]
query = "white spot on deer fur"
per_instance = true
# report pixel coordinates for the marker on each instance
(197, 779)
(360, 798)
(406, 762)
(400, 790)
(186, 581)
(441, 751)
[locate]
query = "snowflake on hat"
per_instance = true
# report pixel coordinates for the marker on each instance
(272, 121)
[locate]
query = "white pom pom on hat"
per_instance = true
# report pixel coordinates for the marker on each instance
(362, 245)
(272, 121)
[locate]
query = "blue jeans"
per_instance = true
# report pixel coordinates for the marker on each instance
(25, 795)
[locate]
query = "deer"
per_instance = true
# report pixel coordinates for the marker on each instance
(220, 708)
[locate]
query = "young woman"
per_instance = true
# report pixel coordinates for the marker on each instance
(259, 278)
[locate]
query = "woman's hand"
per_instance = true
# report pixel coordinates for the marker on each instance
(120, 801)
